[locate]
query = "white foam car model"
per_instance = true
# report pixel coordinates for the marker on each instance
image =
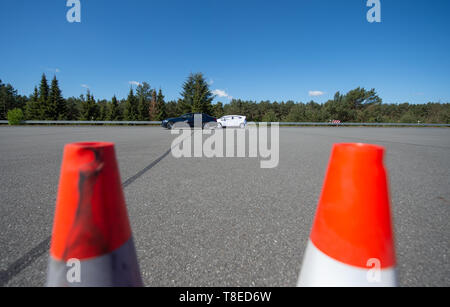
(232, 121)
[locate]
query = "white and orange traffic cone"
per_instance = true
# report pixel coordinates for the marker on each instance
(351, 242)
(92, 243)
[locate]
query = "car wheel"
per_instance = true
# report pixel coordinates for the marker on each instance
(170, 126)
(219, 126)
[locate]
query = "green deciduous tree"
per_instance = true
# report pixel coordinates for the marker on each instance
(270, 117)
(15, 116)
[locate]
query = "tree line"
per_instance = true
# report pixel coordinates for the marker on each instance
(47, 103)
(147, 104)
(357, 106)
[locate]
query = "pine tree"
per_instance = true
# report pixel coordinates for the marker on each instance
(196, 95)
(152, 110)
(3, 111)
(56, 107)
(144, 90)
(161, 106)
(8, 99)
(43, 97)
(84, 112)
(32, 111)
(218, 110)
(103, 110)
(113, 113)
(185, 104)
(197, 102)
(143, 96)
(143, 106)
(73, 108)
(131, 112)
(95, 108)
(89, 109)
(172, 109)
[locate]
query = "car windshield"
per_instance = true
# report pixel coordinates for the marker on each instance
(186, 115)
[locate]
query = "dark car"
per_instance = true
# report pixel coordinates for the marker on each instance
(207, 121)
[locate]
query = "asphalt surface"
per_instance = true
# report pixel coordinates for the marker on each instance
(224, 221)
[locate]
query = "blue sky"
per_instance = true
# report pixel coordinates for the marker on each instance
(260, 50)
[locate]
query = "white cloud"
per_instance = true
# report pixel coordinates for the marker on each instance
(54, 70)
(316, 93)
(134, 83)
(221, 93)
(85, 86)
(211, 82)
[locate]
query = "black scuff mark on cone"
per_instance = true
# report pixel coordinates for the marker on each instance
(83, 228)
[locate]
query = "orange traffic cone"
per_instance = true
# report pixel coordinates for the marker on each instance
(92, 243)
(351, 243)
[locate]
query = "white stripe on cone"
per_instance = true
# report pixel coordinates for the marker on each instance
(320, 270)
(116, 269)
